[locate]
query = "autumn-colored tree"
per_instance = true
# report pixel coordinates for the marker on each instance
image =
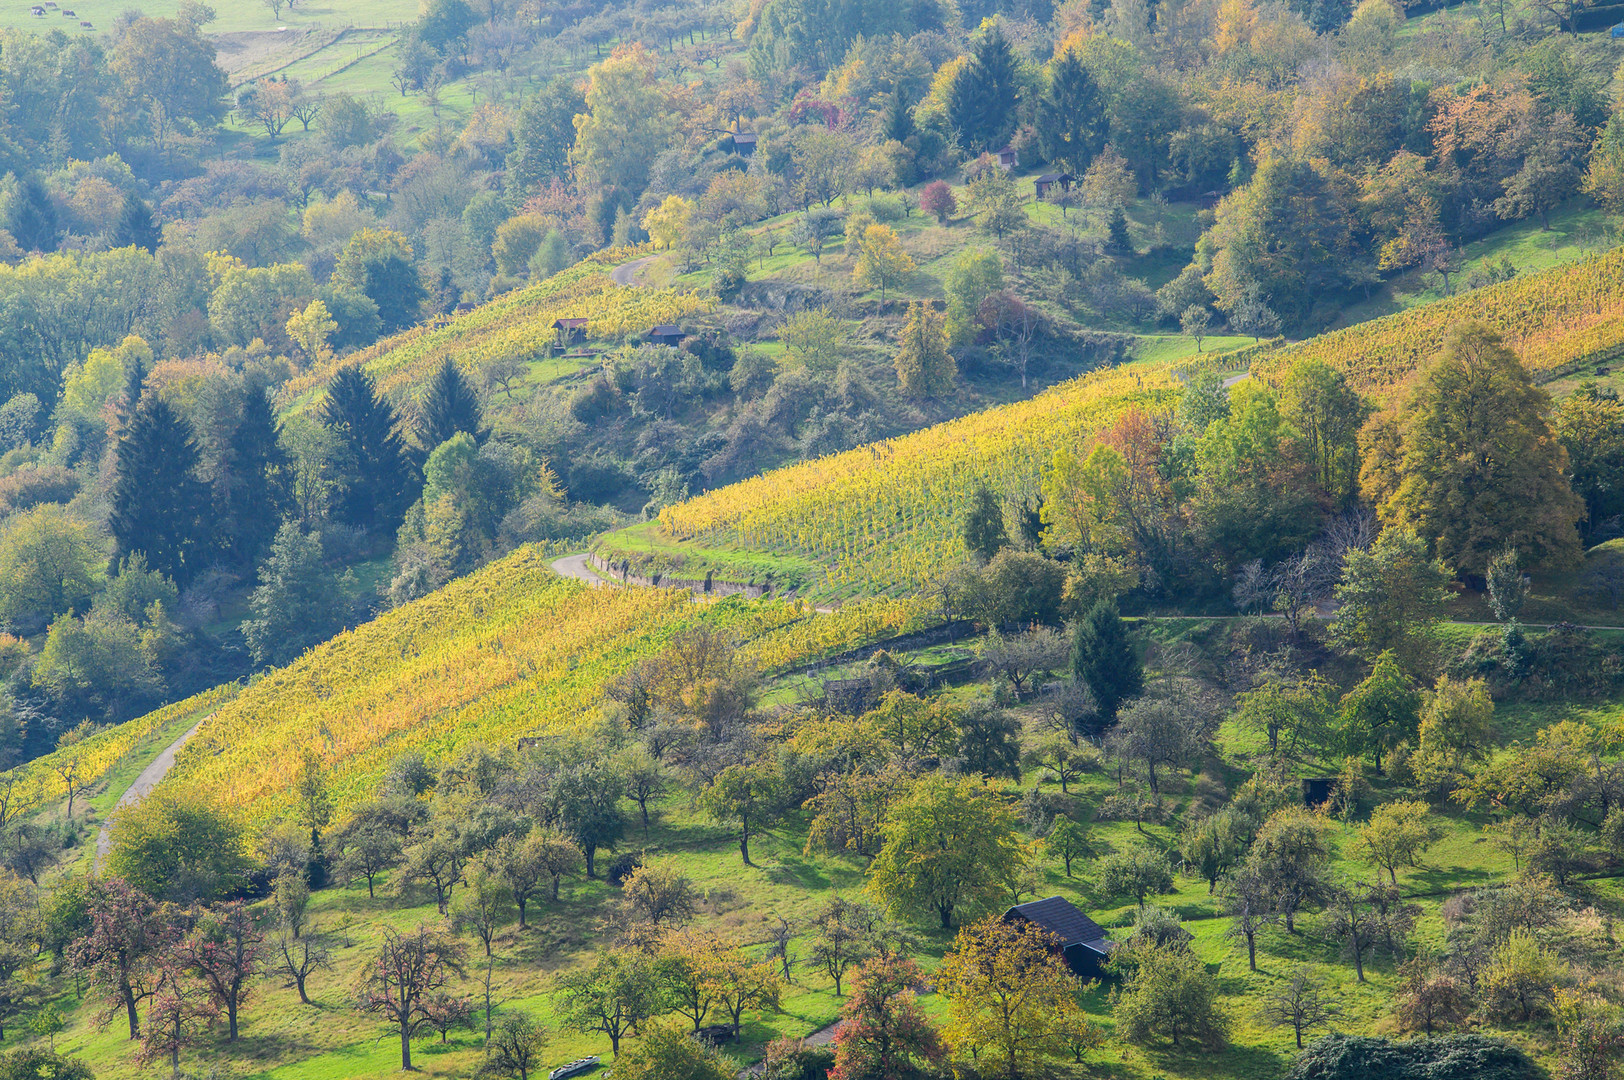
(949, 844)
(883, 1034)
(224, 949)
(1480, 469)
(129, 935)
(882, 262)
(1398, 834)
(924, 366)
(627, 122)
(937, 199)
(399, 984)
(1010, 995)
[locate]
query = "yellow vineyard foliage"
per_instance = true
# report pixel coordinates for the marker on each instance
(38, 782)
(510, 651)
(517, 325)
(886, 515)
(1552, 319)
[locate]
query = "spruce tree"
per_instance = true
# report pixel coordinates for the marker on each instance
(983, 530)
(136, 227)
(376, 480)
(1102, 658)
(160, 507)
(254, 487)
(897, 120)
(981, 102)
(1071, 119)
(449, 407)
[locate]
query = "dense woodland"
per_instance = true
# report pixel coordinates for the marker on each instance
(277, 361)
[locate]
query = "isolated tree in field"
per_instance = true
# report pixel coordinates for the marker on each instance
(1139, 872)
(365, 847)
(485, 906)
(1429, 999)
(1298, 1002)
(1381, 713)
(1520, 980)
(1398, 834)
(1479, 468)
(612, 996)
(948, 846)
(1104, 660)
(450, 406)
(586, 799)
(937, 200)
(123, 948)
(883, 263)
(1291, 709)
(884, 1032)
(1249, 903)
(1289, 857)
(1195, 321)
(225, 950)
(813, 229)
(660, 894)
(180, 1014)
(1010, 996)
(1070, 841)
(1350, 919)
(1168, 992)
(515, 1049)
(925, 368)
(750, 796)
(1391, 597)
(409, 970)
(842, 928)
(298, 959)
(814, 339)
(1214, 844)
(983, 527)
(159, 506)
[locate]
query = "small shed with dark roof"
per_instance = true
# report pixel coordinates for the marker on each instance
(1007, 157)
(1048, 180)
(570, 331)
(666, 334)
(1083, 943)
(744, 142)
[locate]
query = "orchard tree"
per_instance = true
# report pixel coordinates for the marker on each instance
(937, 200)
(1300, 1003)
(1010, 995)
(882, 262)
(1138, 871)
(925, 368)
(1393, 594)
(1167, 991)
(122, 949)
(749, 795)
(949, 844)
(401, 981)
(1398, 834)
(224, 949)
(516, 1048)
(1381, 713)
(613, 996)
(884, 1032)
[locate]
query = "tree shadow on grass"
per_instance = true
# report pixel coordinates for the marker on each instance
(799, 872)
(1234, 1061)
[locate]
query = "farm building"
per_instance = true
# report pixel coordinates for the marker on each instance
(1083, 944)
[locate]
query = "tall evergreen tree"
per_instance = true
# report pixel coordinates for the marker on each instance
(982, 100)
(253, 489)
(450, 406)
(1071, 119)
(376, 479)
(896, 122)
(136, 227)
(160, 507)
(1103, 659)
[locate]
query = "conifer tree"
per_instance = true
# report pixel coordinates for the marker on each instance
(450, 406)
(896, 121)
(924, 366)
(983, 531)
(253, 490)
(981, 102)
(136, 227)
(1071, 118)
(376, 481)
(1103, 659)
(160, 507)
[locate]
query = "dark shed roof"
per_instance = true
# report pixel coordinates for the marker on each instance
(744, 138)
(1061, 918)
(569, 324)
(666, 330)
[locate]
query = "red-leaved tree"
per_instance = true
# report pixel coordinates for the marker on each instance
(937, 199)
(883, 1032)
(224, 950)
(130, 937)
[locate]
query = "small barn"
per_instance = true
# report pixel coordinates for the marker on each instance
(1063, 180)
(570, 331)
(1083, 944)
(1007, 158)
(1318, 790)
(666, 334)
(744, 142)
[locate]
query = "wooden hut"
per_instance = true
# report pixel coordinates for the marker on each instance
(1083, 944)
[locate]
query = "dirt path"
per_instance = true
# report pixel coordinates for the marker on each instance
(821, 1037)
(1233, 379)
(144, 783)
(578, 567)
(626, 272)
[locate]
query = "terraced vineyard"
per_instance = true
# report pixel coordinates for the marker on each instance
(512, 650)
(516, 326)
(883, 517)
(1552, 319)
